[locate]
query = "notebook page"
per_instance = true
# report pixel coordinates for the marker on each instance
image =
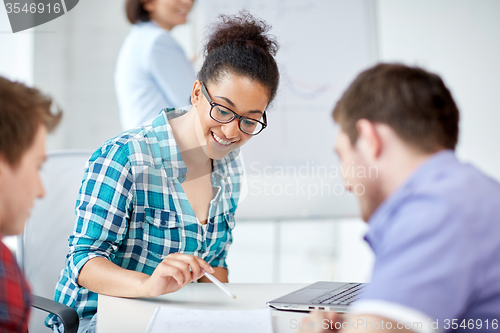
(180, 320)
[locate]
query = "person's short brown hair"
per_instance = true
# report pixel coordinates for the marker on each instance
(136, 12)
(413, 102)
(22, 111)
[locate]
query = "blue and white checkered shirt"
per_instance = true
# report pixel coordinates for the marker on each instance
(133, 211)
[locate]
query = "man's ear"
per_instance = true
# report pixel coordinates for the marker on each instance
(196, 94)
(369, 142)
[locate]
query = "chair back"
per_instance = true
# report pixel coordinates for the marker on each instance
(43, 246)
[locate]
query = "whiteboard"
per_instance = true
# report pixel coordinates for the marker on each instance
(292, 171)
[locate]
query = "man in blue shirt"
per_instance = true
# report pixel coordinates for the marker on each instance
(434, 222)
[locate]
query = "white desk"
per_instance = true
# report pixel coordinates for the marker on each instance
(127, 315)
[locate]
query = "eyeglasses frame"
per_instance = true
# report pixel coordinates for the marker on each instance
(236, 116)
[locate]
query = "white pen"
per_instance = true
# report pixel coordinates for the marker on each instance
(220, 285)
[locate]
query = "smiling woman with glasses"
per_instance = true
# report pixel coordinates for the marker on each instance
(225, 115)
(157, 203)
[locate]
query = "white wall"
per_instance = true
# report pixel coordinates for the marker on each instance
(74, 61)
(16, 51)
(460, 40)
(300, 251)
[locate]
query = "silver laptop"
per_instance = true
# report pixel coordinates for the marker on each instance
(327, 296)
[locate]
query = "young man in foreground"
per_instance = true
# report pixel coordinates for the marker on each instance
(25, 119)
(434, 223)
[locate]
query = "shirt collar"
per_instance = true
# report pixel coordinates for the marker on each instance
(381, 216)
(169, 151)
(228, 166)
(149, 23)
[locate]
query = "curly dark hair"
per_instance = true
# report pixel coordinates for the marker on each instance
(240, 44)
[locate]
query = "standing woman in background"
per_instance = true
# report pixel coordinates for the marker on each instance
(152, 71)
(157, 203)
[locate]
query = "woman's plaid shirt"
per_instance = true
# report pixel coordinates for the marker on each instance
(133, 211)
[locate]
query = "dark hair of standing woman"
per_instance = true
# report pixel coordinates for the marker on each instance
(241, 45)
(136, 12)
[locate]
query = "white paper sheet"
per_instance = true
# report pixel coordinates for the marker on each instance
(177, 320)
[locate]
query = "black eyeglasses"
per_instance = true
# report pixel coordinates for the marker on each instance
(223, 115)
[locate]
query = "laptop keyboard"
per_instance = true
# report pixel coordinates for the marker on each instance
(344, 297)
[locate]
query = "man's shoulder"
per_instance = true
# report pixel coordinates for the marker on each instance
(459, 186)
(444, 194)
(6, 259)
(14, 293)
(10, 273)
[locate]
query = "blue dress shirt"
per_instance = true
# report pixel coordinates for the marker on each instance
(437, 246)
(152, 73)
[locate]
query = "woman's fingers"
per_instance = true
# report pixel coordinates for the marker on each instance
(166, 271)
(196, 270)
(174, 272)
(181, 266)
(203, 267)
(198, 266)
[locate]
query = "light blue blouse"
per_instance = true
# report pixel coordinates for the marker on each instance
(152, 73)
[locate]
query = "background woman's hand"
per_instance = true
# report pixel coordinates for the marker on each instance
(173, 273)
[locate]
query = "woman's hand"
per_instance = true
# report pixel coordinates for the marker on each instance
(173, 273)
